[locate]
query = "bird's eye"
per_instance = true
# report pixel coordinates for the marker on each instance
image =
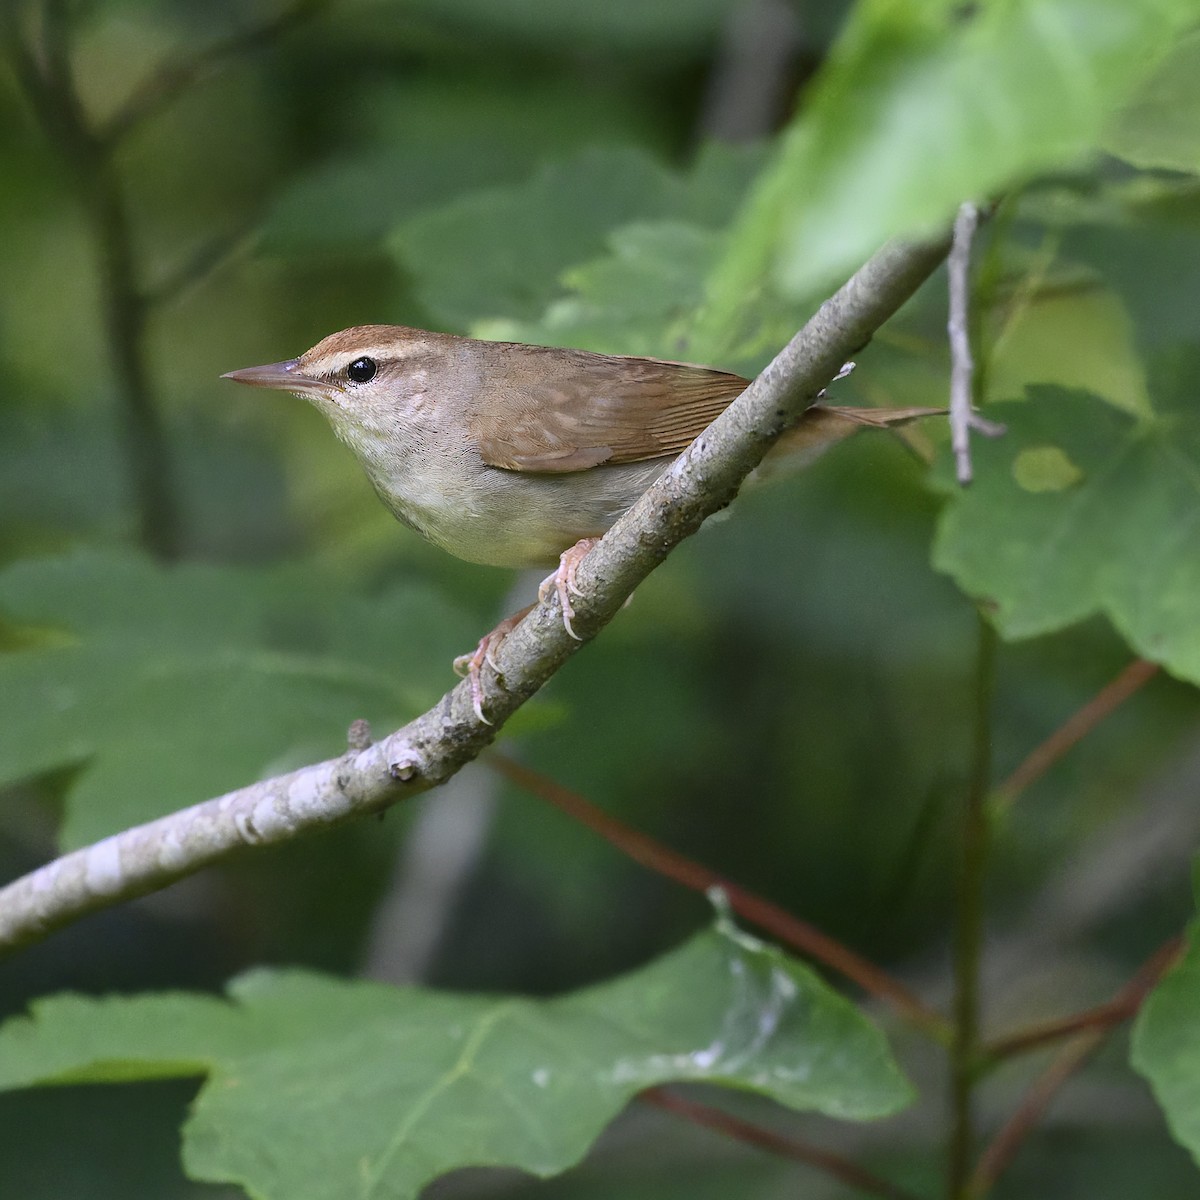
(361, 370)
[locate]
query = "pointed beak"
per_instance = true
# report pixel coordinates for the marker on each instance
(285, 377)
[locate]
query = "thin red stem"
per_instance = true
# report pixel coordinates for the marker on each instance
(840, 1168)
(1124, 1005)
(1074, 729)
(784, 927)
(1104, 1016)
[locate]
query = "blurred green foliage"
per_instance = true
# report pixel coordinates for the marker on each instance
(789, 699)
(170, 684)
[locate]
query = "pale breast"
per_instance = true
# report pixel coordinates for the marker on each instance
(510, 519)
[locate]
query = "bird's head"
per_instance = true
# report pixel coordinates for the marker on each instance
(360, 377)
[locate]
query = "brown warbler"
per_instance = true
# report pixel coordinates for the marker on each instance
(516, 455)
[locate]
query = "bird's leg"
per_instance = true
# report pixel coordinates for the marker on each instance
(470, 665)
(563, 583)
(563, 580)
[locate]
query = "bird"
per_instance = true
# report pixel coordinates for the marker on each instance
(518, 455)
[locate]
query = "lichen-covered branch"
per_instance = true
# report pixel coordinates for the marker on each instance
(433, 747)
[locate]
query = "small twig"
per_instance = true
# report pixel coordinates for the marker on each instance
(198, 266)
(1120, 1008)
(1004, 1146)
(775, 1143)
(968, 929)
(1074, 729)
(779, 923)
(963, 417)
(170, 81)
(962, 362)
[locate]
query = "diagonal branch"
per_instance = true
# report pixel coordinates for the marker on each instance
(427, 751)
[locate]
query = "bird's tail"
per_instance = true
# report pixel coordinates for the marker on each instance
(823, 426)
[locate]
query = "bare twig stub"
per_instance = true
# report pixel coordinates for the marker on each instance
(963, 417)
(430, 749)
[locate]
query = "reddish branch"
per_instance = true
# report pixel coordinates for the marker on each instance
(1075, 729)
(1095, 1026)
(775, 1143)
(780, 924)
(1120, 1008)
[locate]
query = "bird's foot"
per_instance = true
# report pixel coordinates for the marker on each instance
(470, 665)
(563, 581)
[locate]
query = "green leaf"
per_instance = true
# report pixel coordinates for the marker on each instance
(1078, 336)
(1166, 1046)
(503, 252)
(1080, 509)
(921, 105)
(1141, 235)
(1160, 128)
(638, 299)
(63, 471)
(169, 685)
(437, 139)
(319, 1087)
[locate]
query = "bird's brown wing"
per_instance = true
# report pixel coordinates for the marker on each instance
(577, 410)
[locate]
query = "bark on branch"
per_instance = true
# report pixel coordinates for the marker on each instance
(433, 747)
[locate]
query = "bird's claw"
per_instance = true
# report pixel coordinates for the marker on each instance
(470, 666)
(563, 582)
